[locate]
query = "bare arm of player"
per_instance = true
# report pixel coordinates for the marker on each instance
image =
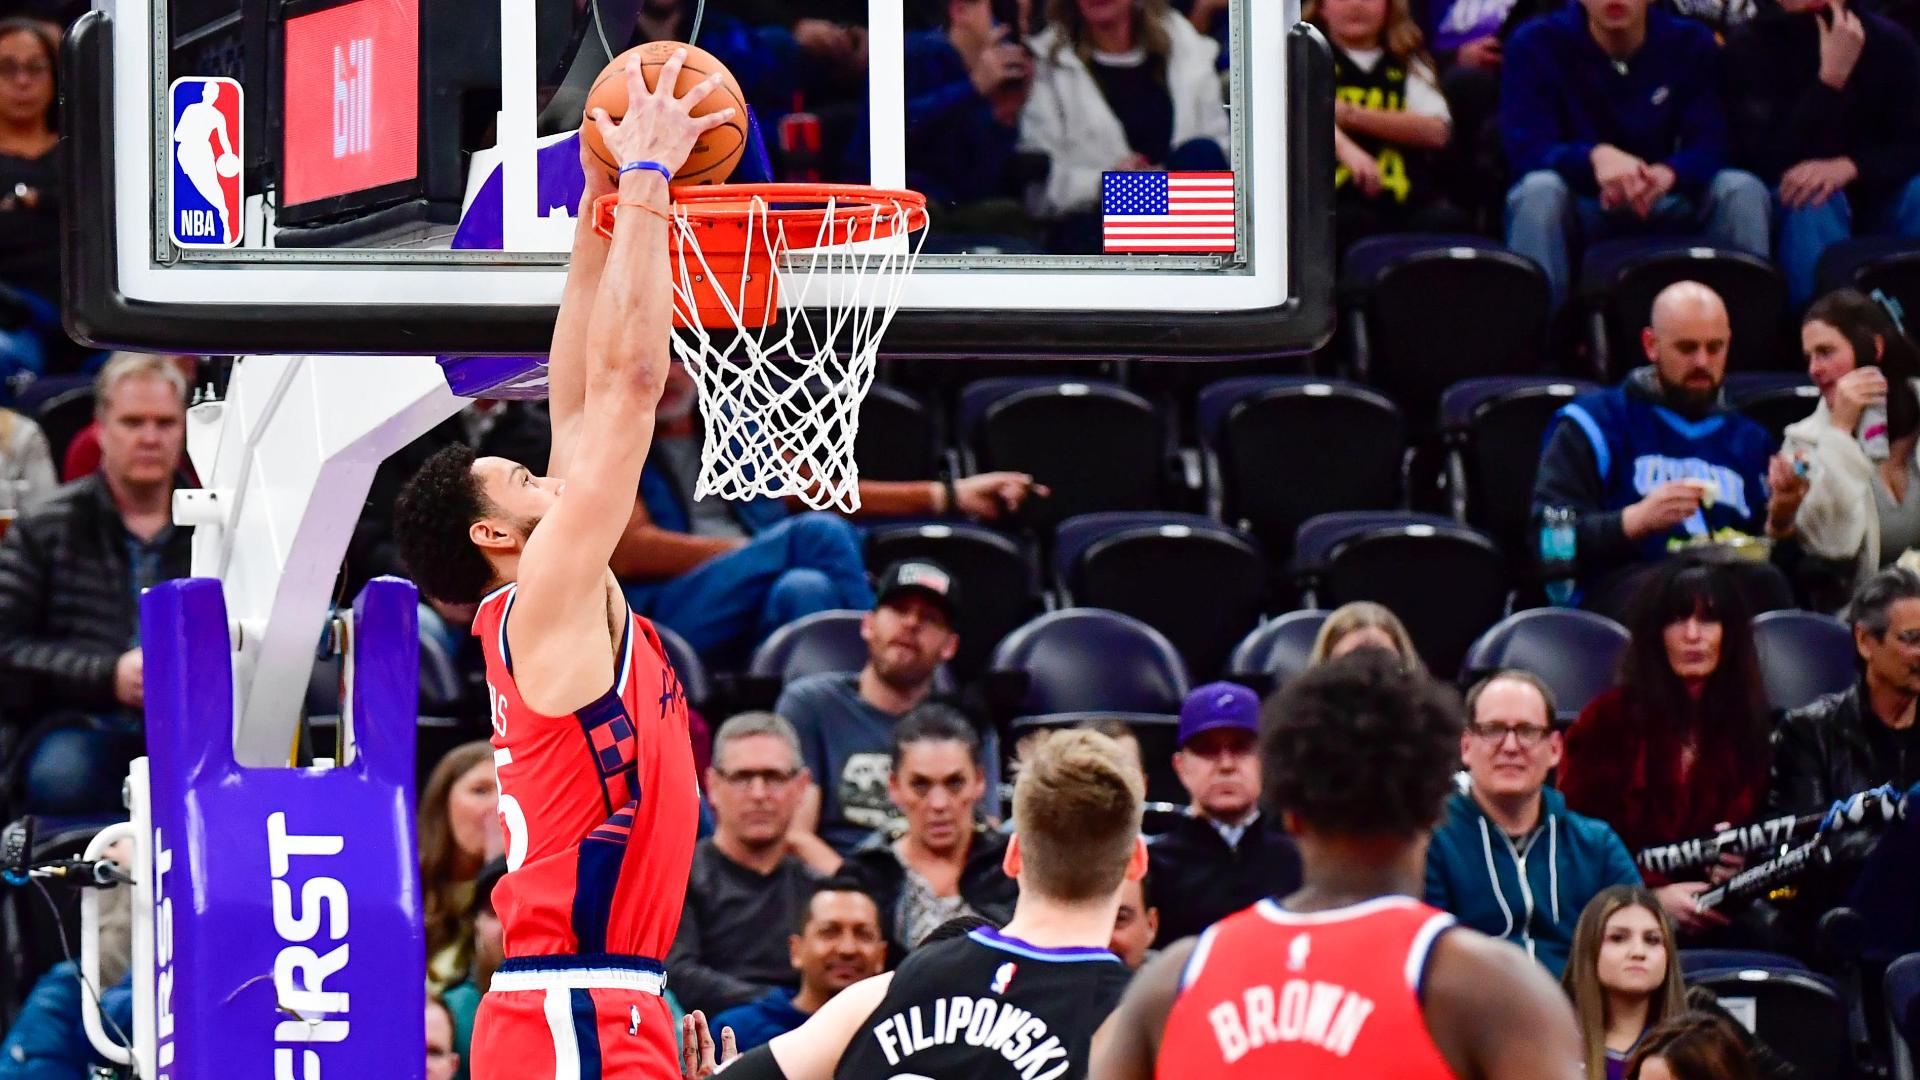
(1496, 1014)
(567, 357)
(561, 618)
(1127, 1046)
(812, 1050)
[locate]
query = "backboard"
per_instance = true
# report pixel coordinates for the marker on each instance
(382, 176)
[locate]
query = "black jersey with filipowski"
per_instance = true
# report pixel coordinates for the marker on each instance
(987, 1007)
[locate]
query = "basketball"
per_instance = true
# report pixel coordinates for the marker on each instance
(717, 152)
(227, 165)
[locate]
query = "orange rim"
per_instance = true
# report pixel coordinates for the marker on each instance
(728, 207)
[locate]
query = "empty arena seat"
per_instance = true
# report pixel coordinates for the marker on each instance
(1699, 961)
(63, 416)
(1800, 1015)
(1276, 650)
(1086, 660)
(1418, 310)
(688, 666)
(898, 438)
(1281, 449)
(1446, 581)
(1190, 577)
(999, 586)
(1574, 652)
(1803, 654)
(1772, 399)
(1494, 428)
(1888, 263)
(1620, 278)
(1903, 1014)
(1095, 444)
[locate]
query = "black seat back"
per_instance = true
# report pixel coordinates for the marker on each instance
(1096, 446)
(1292, 452)
(1799, 1015)
(897, 439)
(1503, 443)
(1202, 588)
(1446, 584)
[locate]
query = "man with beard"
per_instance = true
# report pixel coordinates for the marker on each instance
(1662, 460)
(845, 721)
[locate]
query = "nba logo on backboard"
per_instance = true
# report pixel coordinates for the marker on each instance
(203, 205)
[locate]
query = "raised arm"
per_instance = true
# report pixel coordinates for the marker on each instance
(567, 357)
(561, 609)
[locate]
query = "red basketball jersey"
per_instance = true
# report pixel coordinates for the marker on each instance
(600, 807)
(1270, 993)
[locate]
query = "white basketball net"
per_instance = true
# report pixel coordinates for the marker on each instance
(781, 402)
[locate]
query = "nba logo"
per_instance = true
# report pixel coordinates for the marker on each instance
(203, 202)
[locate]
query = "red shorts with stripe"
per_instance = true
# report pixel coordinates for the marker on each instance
(573, 1025)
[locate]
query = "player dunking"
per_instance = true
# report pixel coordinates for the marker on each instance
(1348, 977)
(597, 789)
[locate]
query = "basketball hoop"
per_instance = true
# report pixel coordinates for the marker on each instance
(780, 398)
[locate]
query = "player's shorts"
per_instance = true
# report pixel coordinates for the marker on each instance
(575, 1018)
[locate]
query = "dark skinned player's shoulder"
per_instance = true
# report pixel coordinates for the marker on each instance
(1495, 1013)
(1129, 1042)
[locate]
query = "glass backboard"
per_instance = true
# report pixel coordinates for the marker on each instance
(377, 176)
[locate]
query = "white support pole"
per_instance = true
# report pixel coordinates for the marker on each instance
(286, 460)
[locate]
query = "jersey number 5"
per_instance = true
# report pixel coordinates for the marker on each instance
(512, 818)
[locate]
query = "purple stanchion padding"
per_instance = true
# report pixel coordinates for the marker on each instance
(288, 936)
(516, 378)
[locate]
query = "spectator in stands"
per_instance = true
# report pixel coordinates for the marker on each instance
(1364, 624)
(1390, 120)
(1825, 104)
(29, 173)
(1862, 503)
(724, 574)
(1623, 975)
(1691, 1046)
(443, 1061)
(1679, 747)
(26, 466)
(1531, 886)
(1136, 923)
(489, 952)
(1864, 736)
(967, 81)
(83, 451)
(459, 828)
(1661, 460)
(71, 569)
(1612, 118)
(1625, 981)
(944, 864)
(1120, 85)
(845, 721)
(1225, 854)
(753, 873)
(835, 943)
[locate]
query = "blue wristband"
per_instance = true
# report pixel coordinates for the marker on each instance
(665, 173)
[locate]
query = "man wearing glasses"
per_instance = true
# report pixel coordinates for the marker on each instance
(1509, 859)
(753, 876)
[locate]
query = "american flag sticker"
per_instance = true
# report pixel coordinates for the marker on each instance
(1161, 211)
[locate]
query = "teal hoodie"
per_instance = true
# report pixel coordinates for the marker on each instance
(1529, 891)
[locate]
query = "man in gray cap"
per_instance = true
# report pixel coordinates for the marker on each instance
(845, 720)
(1223, 855)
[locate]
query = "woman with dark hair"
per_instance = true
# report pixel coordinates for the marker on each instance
(1679, 747)
(29, 178)
(1862, 504)
(1691, 1046)
(459, 829)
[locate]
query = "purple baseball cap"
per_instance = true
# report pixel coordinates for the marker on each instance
(1219, 705)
